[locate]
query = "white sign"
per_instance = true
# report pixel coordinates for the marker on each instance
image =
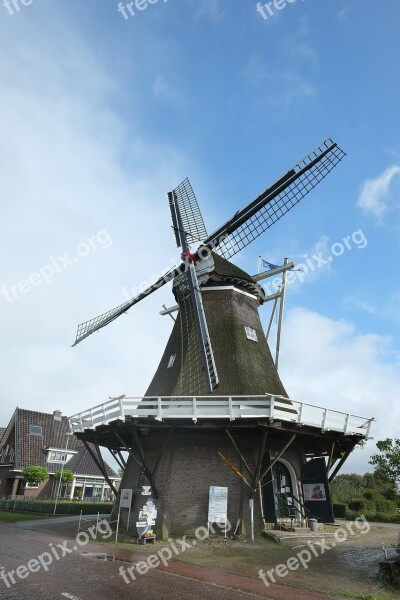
(218, 505)
(146, 490)
(126, 499)
(314, 492)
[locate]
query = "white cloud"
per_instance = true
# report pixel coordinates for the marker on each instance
(70, 168)
(374, 192)
(328, 363)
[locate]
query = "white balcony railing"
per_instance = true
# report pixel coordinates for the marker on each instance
(272, 408)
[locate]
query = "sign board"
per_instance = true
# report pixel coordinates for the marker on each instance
(146, 490)
(218, 505)
(147, 517)
(126, 499)
(314, 492)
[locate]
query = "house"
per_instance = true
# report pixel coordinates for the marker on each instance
(41, 439)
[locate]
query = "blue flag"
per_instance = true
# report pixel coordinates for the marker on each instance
(269, 266)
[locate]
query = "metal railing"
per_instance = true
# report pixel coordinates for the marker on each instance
(273, 408)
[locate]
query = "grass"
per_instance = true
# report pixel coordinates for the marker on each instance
(13, 517)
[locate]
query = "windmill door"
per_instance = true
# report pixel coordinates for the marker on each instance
(283, 492)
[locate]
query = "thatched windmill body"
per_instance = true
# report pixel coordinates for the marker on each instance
(216, 390)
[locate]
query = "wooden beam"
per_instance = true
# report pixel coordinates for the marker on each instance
(117, 435)
(142, 464)
(259, 463)
(240, 454)
(100, 466)
(148, 472)
(340, 465)
(281, 453)
(162, 452)
(330, 461)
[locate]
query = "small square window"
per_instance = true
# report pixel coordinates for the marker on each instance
(171, 361)
(251, 334)
(35, 430)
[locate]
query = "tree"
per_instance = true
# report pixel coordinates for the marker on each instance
(35, 475)
(347, 486)
(65, 476)
(388, 461)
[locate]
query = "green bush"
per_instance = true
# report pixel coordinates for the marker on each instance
(386, 507)
(371, 494)
(63, 507)
(362, 506)
(340, 510)
(374, 518)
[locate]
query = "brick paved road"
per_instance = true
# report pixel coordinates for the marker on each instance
(78, 578)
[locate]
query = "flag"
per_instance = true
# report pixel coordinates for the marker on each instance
(270, 266)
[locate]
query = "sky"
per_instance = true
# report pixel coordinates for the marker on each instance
(102, 112)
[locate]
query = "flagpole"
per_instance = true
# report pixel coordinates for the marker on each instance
(272, 315)
(259, 265)
(281, 307)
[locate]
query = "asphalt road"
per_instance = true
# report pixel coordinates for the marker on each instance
(77, 577)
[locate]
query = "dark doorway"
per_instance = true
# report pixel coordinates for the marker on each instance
(284, 491)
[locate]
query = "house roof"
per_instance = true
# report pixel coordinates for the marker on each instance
(83, 464)
(48, 432)
(2, 432)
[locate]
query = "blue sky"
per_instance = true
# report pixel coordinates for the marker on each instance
(101, 116)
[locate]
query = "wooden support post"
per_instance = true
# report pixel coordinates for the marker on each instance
(148, 472)
(340, 465)
(240, 454)
(259, 465)
(141, 464)
(281, 453)
(100, 465)
(330, 461)
(162, 452)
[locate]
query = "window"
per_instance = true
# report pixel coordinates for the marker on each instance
(35, 430)
(251, 334)
(171, 361)
(57, 457)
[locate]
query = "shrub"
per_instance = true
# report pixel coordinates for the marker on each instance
(386, 507)
(371, 494)
(35, 475)
(340, 510)
(362, 506)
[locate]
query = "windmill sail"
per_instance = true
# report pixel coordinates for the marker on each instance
(192, 225)
(259, 215)
(186, 214)
(88, 327)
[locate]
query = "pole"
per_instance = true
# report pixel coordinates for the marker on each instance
(61, 474)
(281, 307)
(251, 504)
(259, 265)
(116, 533)
(272, 316)
(80, 518)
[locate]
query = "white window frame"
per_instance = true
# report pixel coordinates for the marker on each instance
(36, 433)
(251, 334)
(171, 361)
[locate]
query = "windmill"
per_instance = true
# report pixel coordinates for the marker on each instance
(216, 383)
(197, 265)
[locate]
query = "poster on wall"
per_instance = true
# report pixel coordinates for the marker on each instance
(314, 492)
(218, 505)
